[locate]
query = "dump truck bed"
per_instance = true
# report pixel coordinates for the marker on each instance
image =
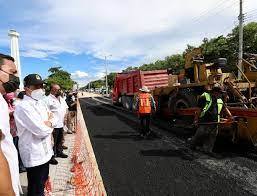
(129, 83)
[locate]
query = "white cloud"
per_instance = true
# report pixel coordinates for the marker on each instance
(35, 54)
(80, 77)
(79, 74)
(147, 28)
(82, 83)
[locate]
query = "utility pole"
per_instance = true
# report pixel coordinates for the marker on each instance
(106, 77)
(241, 32)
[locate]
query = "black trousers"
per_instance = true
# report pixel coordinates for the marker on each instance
(58, 137)
(145, 123)
(37, 177)
(205, 137)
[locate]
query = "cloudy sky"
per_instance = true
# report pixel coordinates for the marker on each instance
(78, 34)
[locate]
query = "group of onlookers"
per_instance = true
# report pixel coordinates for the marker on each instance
(31, 128)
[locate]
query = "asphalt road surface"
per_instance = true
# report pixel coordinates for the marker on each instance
(162, 165)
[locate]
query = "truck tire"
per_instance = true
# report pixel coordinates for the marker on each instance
(127, 102)
(185, 98)
(118, 102)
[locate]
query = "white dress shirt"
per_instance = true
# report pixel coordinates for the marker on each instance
(58, 107)
(64, 106)
(8, 147)
(34, 136)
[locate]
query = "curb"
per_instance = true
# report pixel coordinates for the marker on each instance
(87, 178)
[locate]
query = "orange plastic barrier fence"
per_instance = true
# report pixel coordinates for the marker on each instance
(48, 188)
(84, 176)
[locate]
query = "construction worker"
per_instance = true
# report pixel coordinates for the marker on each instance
(212, 107)
(145, 105)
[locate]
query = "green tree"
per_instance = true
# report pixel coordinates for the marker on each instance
(213, 48)
(61, 77)
(227, 46)
(216, 48)
(94, 84)
(110, 79)
(130, 68)
(188, 49)
(100, 83)
(175, 62)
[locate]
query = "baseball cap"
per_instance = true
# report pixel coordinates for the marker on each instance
(33, 79)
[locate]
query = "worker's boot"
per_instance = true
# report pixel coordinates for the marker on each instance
(191, 143)
(148, 134)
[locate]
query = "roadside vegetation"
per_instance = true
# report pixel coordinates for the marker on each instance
(213, 48)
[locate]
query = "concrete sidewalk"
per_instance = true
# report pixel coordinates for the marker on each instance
(60, 174)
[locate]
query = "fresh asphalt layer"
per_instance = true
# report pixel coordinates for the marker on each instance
(162, 165)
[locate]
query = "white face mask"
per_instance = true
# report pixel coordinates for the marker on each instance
(38, 94)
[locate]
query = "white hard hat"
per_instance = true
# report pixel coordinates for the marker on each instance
(144, 89)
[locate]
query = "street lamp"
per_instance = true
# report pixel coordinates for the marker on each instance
(106, 77)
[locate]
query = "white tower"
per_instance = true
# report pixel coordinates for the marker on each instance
(15, 52)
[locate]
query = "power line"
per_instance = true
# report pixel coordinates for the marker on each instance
(250, 15)
(254, 10)
(241, 32)
(228, 28)
(216, 12)
(251, 19)
(207, 11)
(219, 8)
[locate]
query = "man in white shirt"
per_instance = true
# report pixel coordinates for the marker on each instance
(5, 177)
(65, 111)
(35, 126)
(9, 82)
(55, 104)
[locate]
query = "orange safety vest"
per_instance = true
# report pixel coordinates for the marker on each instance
(144, 103)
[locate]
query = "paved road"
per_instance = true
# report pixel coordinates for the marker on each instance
(160, 166)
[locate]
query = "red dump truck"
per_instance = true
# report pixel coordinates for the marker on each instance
(127, 84)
